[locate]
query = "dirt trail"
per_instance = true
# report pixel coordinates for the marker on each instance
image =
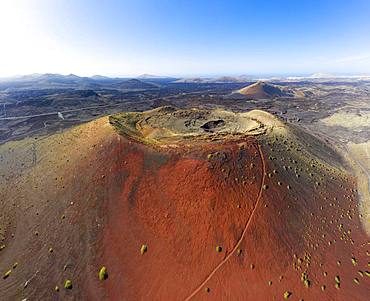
(243, 233)
(359, 153)
(88, 197)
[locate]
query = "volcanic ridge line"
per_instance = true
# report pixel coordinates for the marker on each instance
(243, 233)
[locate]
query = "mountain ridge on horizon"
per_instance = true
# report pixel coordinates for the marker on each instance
(220, 77)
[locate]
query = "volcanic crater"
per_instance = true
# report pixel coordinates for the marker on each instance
(180, 204)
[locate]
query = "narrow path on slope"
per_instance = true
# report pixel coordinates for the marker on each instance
(243, 233)
(363, 184)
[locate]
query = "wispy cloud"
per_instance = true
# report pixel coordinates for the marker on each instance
(354, 58)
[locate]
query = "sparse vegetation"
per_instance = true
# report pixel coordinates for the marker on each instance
(287, 295)
(305, 280)
(103, 273)
(304, 217)
(7, 274)
(68, 284)
(143, 249)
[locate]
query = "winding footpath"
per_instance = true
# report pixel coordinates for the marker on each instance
(213, 272)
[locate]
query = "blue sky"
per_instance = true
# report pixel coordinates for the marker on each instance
(184, 37)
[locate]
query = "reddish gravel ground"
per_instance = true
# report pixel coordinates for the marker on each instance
(236, 219)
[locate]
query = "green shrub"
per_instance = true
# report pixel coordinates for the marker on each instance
(68, 284)
(103, 273)
(7, 274)
(287, 295)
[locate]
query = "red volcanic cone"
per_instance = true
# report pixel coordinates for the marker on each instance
(181, 205)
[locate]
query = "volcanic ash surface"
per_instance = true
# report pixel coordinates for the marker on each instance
(176, 204)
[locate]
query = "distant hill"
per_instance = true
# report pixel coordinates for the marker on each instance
(134, 84)
(146, 76)
(193, 80)
(100, 77)
(48, 81)
(231, 79)
(221, 79)
(156, 79)
(263, 90)
(71, 81)
(322, 75)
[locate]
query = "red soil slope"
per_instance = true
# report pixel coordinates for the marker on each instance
(280, 205)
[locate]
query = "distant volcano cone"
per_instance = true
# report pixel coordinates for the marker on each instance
(180, 205)
(262, 90)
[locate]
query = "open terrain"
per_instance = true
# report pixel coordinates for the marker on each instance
(184, 191)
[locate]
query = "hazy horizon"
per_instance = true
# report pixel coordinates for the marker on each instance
(184, 38)
(257, 76)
